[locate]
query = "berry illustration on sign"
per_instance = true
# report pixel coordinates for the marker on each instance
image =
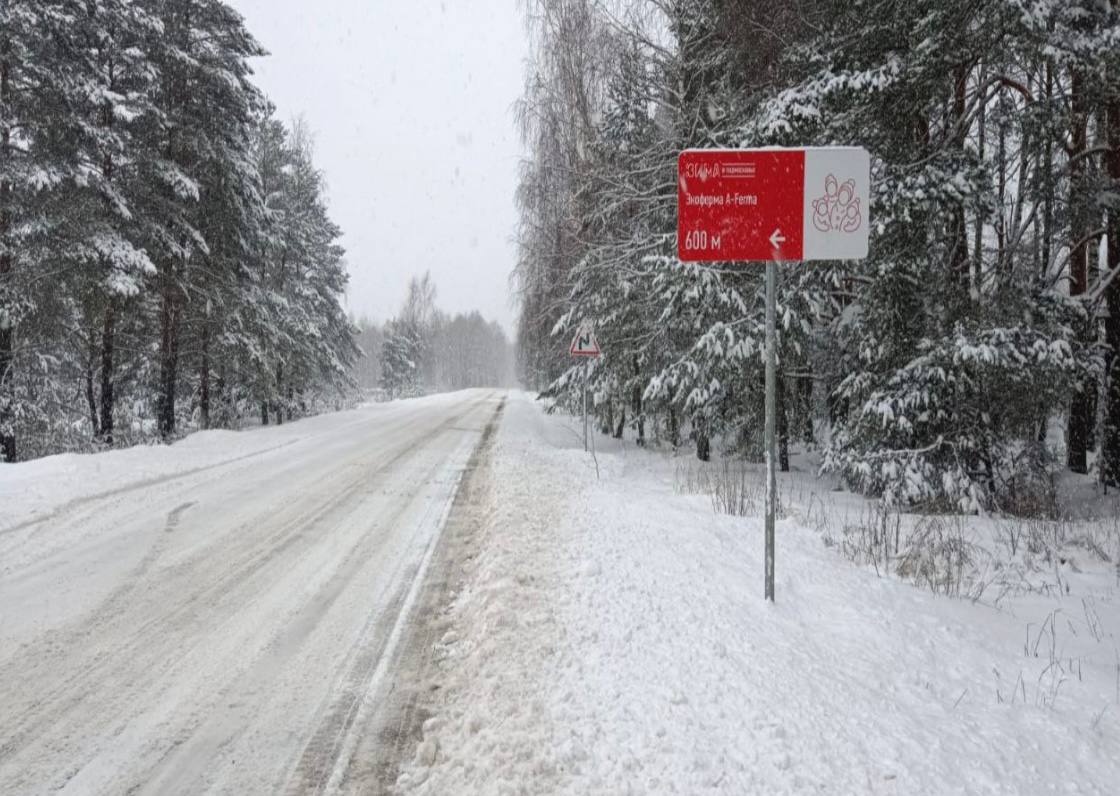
(838, 209)
(837, 182)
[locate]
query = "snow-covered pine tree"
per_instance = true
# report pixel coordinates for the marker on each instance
(399, 354)
(33, 168)
(1107, 52)
(207, 108)
(932, 343)
(132, 209)
(110, 88)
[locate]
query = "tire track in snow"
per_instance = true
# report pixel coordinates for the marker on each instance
(325, 763)
(406, 699)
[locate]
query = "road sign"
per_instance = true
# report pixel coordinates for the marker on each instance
(585, 345)
(773, 204)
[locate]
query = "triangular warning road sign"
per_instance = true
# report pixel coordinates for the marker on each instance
(585, 345)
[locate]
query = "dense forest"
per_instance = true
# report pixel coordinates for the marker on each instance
(968, 359)
(166, 257)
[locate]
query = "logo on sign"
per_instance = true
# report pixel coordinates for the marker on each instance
(838, 210)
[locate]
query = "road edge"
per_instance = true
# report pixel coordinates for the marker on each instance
(403, 696)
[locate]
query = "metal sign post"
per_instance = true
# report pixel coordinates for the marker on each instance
(585, 345)
(773, 205)
(771, 421)
(587, 381)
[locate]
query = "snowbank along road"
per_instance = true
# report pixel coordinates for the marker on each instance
(218, 621)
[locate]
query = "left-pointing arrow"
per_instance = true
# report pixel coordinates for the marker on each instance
(777, 239)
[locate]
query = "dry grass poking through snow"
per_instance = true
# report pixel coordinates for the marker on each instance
(1005, 562)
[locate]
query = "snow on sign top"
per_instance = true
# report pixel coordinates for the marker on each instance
(773, 204)
(585, 345)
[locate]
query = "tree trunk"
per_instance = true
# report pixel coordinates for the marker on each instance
(225, 418)
(1110, 448)
(607, 424)
(703, 447)
(674, 428)
(703, 443)
(168, 361)
(1081, 410)
(91, 398)
(109, 328)
(636, 400)
(806, 388)
(108, 396)
(204, 380)
(1044, 226)
(958, 259)
(783, 427)
(264, 413)
(978, 221)
(639, 418)
(279, 405)
(7, 326)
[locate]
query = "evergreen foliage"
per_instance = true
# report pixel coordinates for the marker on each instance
(929, 373)
(166, 257)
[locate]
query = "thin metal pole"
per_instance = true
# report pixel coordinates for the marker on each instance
(586, 379)
(771, 421)
(591, 434)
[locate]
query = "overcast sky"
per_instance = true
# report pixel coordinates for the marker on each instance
(411, 105)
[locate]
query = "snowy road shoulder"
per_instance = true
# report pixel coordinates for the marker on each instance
(612, 639)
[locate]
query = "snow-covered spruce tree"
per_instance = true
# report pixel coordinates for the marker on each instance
(78, 82)
(622, 195)
(109, 93)
(622, 199)
(723, 63)
(951, 352)
(682, 74)
(682, 342)
(1108, 47)
(133, 210)
(207, 109)
(400, 352)
(309, 341)
(33, 168)
(1078, 40)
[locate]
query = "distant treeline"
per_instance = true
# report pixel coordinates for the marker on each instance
(424, 350)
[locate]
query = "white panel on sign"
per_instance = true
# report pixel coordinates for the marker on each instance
(837, 203)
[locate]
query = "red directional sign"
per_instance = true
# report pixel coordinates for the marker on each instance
(773, 204)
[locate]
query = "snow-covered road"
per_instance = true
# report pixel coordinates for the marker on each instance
(213, 616)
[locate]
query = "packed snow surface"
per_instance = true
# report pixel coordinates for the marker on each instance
(612, 638)
(213, 616)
